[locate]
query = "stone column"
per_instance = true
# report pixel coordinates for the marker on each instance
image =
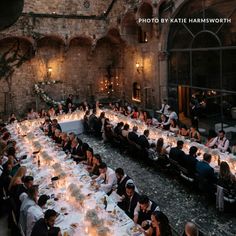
(163, 74)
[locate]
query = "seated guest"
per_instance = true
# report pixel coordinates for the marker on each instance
(108, 133)
(164, 108)
(94, 171)
(45, 226)
(42, 113)
(55, 123)
(122, 181)
(89, 156)
(133, 136)
(220, 142)
(6, 136)
(129, 200)
(226, 178)
(47, 127)
(125, 131)
(173, 126)
(160, 149)
(144, 210)
(59, 110)
(177, 154)
(191, 161)
(57, 137)
(18, 190)
(152, 155)
(12, 118)
(184, 131)
(65, 142)
(118, 128)
(53, 129)
(161, 153)
(86, 122)
(162, 124)
(194, 135)
(69, 109)
(159, 225)
(106, 179)
(17, 178)
(72, 136)
(34, 213)
(30, 200)
(206, 175)
(191, 230)
(134, 114)
(92, 121)
(51, 112)
(143, 140)
(76, 150)
(142, 116)
(31, 114)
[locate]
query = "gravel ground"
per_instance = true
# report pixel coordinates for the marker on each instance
(178, 201)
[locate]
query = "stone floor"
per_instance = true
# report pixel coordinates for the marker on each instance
(175, 199)
(178, 201)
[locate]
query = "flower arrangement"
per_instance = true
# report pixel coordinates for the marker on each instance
(92, 217)
(40, 92)
(76, 193)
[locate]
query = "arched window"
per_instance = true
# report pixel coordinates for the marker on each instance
(136, 92)
(202, 59)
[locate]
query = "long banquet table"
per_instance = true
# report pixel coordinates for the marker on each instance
(169, 138)
(80, 204)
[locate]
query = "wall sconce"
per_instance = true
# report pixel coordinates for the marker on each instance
(49, 72)
(139, 67)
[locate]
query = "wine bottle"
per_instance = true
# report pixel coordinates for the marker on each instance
(105, 202)
(38, 162)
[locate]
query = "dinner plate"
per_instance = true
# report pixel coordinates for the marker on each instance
(132, 232)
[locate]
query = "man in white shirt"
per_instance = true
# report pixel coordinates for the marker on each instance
(28, 201)
(172, 115)
(220, 142)
(144, 210)
(35, 213)
(164, 108)
(106, 179)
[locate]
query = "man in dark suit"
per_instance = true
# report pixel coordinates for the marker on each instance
(122, 181)
(206, 175)
(190, 160)
(177, 154)
(144, 144)
(45, 226)
(143, 140)
(133, 136)
(56, 124)
(130, 200)
(76, 149)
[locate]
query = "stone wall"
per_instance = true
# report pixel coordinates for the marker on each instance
(79, 51)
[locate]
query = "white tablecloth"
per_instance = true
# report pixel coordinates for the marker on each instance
(75, 126)
(75, 203)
